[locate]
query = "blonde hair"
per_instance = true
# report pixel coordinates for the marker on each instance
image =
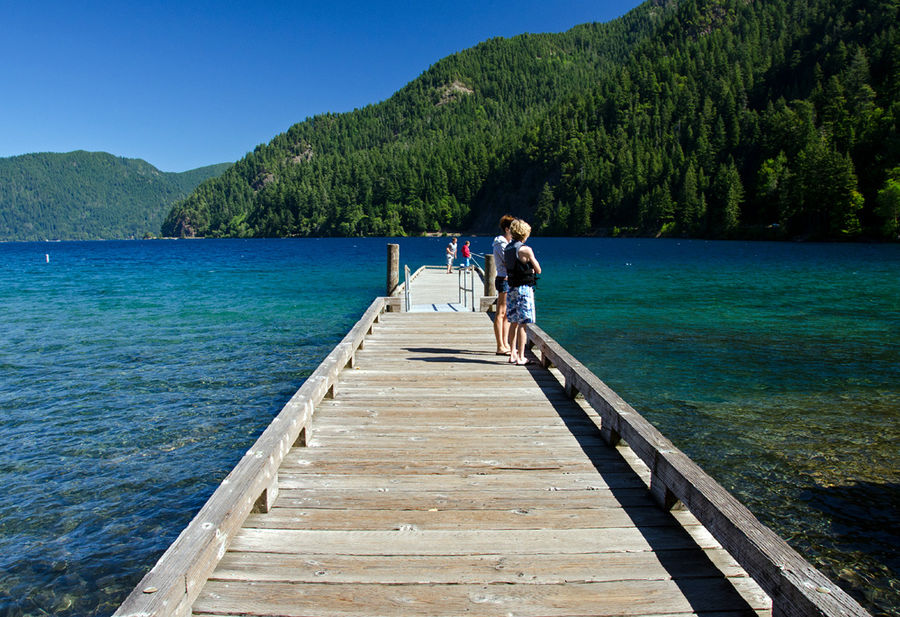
(520, 230)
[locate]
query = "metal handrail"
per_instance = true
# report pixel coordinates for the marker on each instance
(406, 297)
(475, 257)
(466, 286)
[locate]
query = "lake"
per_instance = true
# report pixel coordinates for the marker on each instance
(134, 375)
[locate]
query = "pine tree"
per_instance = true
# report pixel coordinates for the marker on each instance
(888, 209)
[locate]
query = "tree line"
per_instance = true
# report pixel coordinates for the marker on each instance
(701, 118)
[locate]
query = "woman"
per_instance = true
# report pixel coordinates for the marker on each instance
(522, 268)
(501, 325)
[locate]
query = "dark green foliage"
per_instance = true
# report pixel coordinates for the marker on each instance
(888, 208)
(713, 118)
(88, 195)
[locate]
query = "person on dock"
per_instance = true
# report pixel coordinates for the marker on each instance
(501, 325)
(466, 254)
(522, 268)
(451, 255)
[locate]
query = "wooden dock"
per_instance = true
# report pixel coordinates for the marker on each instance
(418, 473)
(434, 290)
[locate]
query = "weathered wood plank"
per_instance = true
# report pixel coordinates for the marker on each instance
(462, 542)
(413, 409)
(472, 378)
(520, 456)
(612, 598)
(547, 569)
(471, 423)
(523, 481)
(462, 500)
(473, 434)
(535, 518)
(316, 460)
(474, 431)
(383, 441)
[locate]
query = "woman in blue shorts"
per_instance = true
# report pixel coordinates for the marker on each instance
(521, 270)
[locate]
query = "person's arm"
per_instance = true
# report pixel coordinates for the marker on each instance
(528, 255)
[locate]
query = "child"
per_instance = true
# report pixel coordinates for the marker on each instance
(466, 253)
(521, 268)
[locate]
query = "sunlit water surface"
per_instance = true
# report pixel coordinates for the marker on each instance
(133, 376)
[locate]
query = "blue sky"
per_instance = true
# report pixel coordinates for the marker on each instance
(186, 83)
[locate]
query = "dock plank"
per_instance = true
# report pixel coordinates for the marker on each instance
(612, 598)
(547, 569)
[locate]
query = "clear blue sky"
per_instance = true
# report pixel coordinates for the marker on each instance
(187, 83)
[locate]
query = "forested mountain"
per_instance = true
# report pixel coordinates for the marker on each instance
(88, 195)
(709, 118)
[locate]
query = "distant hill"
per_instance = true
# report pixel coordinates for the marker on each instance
(704, 118)
(88, 195)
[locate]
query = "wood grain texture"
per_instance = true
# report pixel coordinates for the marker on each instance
(627, 597)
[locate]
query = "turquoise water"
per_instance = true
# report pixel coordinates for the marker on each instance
(776, 367)
(133, 376)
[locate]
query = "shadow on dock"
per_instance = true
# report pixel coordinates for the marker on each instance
(679, 553)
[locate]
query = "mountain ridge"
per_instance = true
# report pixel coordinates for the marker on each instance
(83, 195)
(701, 118)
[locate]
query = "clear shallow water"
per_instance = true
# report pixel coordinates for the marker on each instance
(133, 376)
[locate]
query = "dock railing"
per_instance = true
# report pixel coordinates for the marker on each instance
(172, 585)
(796, 588)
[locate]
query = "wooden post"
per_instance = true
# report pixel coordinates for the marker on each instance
(393, 268)
(267, 499)
(661, 494)
(490, 273)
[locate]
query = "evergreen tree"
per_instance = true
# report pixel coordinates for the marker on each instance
(889, 205)
(581, 214)
(543, 213)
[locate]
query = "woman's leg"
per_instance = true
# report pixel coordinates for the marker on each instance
(521, 338)
(501, 326)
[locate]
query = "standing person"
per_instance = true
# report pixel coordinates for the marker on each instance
(451, 255)
(501, 325)
(521, 270)
(466, 253)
